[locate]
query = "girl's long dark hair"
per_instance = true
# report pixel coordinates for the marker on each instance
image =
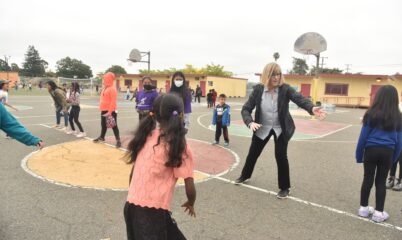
(53, 85)
(75, 88)
(182, 91)
(168, 112)
(384, 113)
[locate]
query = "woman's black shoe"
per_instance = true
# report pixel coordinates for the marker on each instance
(98, 140)
(241, 180)
(283, 194)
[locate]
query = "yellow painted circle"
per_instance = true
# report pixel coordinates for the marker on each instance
(83, 163)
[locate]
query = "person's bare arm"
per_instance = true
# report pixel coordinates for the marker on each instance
(191, 196)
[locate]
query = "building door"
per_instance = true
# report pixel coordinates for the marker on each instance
(140, 86)
(305, 90)
(118, 84)
(374, 90)
(167, 86)
(203, 87)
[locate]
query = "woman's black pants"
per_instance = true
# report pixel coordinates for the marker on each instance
(281, 155)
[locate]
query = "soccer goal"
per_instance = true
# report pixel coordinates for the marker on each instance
(86, 84)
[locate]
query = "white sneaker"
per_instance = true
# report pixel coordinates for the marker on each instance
(60, 127)
(71, 132)
(365, 212)
(56, 126)
(63, 129)
(380, 217)
(81, 134)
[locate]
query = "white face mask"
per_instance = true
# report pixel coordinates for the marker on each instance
(178, 83)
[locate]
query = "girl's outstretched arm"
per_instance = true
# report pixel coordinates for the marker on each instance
(191, 195)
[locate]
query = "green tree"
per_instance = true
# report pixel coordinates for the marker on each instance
(4, 66)
(34, 65)
(70, 67)
(326, 70)
(209, 69)
(50, 74)
(116, 69)
(15, 67)
(299, 66)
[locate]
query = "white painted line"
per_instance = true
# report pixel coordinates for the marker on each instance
(53, 115)
(44, 125)
(321, 136)
(387, 225)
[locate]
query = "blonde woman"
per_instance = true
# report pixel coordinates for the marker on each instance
(271, 99)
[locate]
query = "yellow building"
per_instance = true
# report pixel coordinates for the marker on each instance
(354, 90)
(230, 86)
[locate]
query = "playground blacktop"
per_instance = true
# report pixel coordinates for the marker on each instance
(75, 189)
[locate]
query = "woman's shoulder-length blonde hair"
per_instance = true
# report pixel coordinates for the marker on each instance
(268, 71)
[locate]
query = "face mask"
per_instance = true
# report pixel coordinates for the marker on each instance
(178, 83)
(147, 87)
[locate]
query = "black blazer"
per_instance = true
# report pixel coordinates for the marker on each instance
(285, 94)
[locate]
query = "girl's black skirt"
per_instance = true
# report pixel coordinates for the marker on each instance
(150, 224)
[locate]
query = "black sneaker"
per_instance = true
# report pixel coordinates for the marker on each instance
(98, 140)
(241, 180)
(283, 194)
(390, 183)
(118, 144)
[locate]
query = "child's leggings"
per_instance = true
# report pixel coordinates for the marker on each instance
(377, 162)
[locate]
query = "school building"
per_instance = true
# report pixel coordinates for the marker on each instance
(349, 90)
(13, 77)
(230, 86)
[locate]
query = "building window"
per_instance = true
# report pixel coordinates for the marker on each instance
(197, 78)
(210, 83)
(336, 89)
(128, 82)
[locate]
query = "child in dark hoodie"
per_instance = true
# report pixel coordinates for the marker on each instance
(145, 98)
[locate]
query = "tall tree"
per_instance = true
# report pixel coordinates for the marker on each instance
(70, 67)
(15, 67)
(4, 66)
(299, 66)
(116, 69)
(34, 65)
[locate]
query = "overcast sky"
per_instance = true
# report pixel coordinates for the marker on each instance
(241, 35)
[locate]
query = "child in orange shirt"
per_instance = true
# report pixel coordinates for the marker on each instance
(161, 156)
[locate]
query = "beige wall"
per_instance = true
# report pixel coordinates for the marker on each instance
(232, 87)
(359, 90)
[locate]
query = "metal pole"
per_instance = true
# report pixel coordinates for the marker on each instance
(149, 62)
(317, 67)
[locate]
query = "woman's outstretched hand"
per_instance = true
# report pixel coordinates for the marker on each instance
(190, 208)
(319, 113)
(254, 126)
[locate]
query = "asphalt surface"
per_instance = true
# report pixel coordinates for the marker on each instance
(323, 174)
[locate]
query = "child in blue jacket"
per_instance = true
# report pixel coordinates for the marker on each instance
(379, 145)
(15, 130)
(221, 118)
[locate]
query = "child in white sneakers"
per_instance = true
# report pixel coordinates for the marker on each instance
(379, 145)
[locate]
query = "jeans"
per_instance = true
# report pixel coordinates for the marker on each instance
(281, 155)
(218, 132)
(74, 115)
(58, 116)
(104, 127)
(377, 161)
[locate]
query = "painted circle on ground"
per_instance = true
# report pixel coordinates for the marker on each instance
(84, 164)
(23, 107)
(306, 129)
